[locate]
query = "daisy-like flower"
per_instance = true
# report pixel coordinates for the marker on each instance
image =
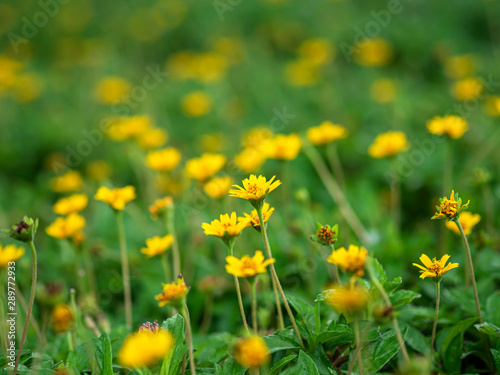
(151, 327)
(434, 268)
(352, 260)
(173, 292)
(255, 189)
(71, 204)
(251, 352)
(326, 132)
(204, 167)
(70, 181)
(10, 253)
(388, 144)
(157, 245)
(351, 299)
(325, 234)
(218, 187)
(145, 348)
(117, 197)
(248, 266)
(283, 147)
(467, 220)
(228, 227)
(152, 138)
(160, 206)
(250, 159)
(66, 227)
(450, 125)
(450, 208)
(267, 211)
(163, 160)
(62, 318)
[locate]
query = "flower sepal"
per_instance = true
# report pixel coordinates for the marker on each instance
(25, 231)
(451, 208)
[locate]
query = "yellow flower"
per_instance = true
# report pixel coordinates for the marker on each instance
(204, 167)
(62, 318)
(317, 51)
(256, 138)
(227, 226)
(98, 170)
(212, 142)
(450, 125)
(388, 144)
(126, 128)
(157, 245)
(28, 86)
(160, 206)
(459, 66)
(250, 160)
(283, 147)
(10, 253)
(467, 89)
(73, 203)
(68, 182)
(254, 217)
(209, 67)
(111, 90)
(152, 138)
(373, 52)
(467, 220)
(173, 292)
(218, 187)
(145, 348)
(251, 352)
(196, 104)
(326, 132)
(450, 208)
(230, 47)
(351, 299)
(117, 197)
(247, 266)
(434, 268)
(383, 91)
(493, 105)
(255, 189)
(66, 227)
(163, 160)
(301, 73)
(352, 260)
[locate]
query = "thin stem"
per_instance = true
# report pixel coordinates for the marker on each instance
(72, 294)
(335, 164)
(489, 208)
(438, 295)
(30, 305)
(175, 245)
(335, 268)
(275, 275)
(189, 334)
(395, 199)
(471, 266)
(125, 270)
(207, 314)
(238, 291)
(253, 294)
(164, 263)
(358, 346)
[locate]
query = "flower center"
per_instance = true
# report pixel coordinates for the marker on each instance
(435, 267)
(253, 189)
(449, 208)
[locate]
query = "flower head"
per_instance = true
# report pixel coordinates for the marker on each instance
(467, 89)
(228, 227)
(467, 220)
(351, 299)
(151, 327)
(325, 235)
(71, 204)
(163, 160)
(66, 227)
(247, 266)
(267, 211)
(352, 260)
(218, 187)
(173, 292)
(388, 144)
(317, 51)
(117, 198)
(434, 268)
(326, 132)
(383, 90)
(283, 147)
(111, 90)
(25, 231)
(145, 348)
(127, 128)
(62, 318)
(98, 170)
(250, 160)
(373, 52)
(152, 138)
(196, 104)
(450, 208)
(160, 206)
(157, 245)
(70, 181)
(450, 125)
(204, 167)
(251, 352)
(255, 189)
(10, 253)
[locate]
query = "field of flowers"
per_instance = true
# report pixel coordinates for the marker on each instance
(249, 187)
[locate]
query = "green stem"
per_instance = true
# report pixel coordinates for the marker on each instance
(238, 291)
(274, 276)
(434, 327)
(125, 270)
(164, 263)
(74, 329)
(395, 198)
(30, 305)
(335, 268)
(471, 268)
(335, 164)
(189, 335)
(253, 294)
(358, 346)
(175, 245)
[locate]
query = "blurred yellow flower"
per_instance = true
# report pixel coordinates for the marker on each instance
(9, 68)
(255, 188)
(257, 137)
(388, 144)
(62, 318)
(157, 245)
(145, 348)
(98, 170)
(152, 138)
(181, 65)
(160, 206)
(27, 87)
(230, 47)
(218, 187)
(163, 160)
(127, 128)
(352, 260)
(326, 132)
(351, 299)
(66, 227)
(227, 227)
(110, 90)
(459, 66)
(467, 89)
(450, 208)
(250, 160)
(383, 90)
(117, 197)
(267, 211)
(493, 105)
(467, 220)
(10, 253)
(317, 51)
(212, 142)
(173, 292)
(247, 266)
(373, 52)
(450, 125)
(251, 352)
(204, 167)
(210, 67)
(434, 268)
(301, 73)
(283, 147)
(68, 182)
(196, 104)
(73, 203)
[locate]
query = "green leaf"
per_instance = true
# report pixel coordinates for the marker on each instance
(492, 312)
(403, 297)
(452, 345)
(304, 309)
(379, 270)
(176, 326)
(213, 348)
(305, 365)
(391, 286)
(230, 367)
(104, 354)
(489, 329)
(278, 341)
(336, 335)
(417, 341)
(282, 363)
